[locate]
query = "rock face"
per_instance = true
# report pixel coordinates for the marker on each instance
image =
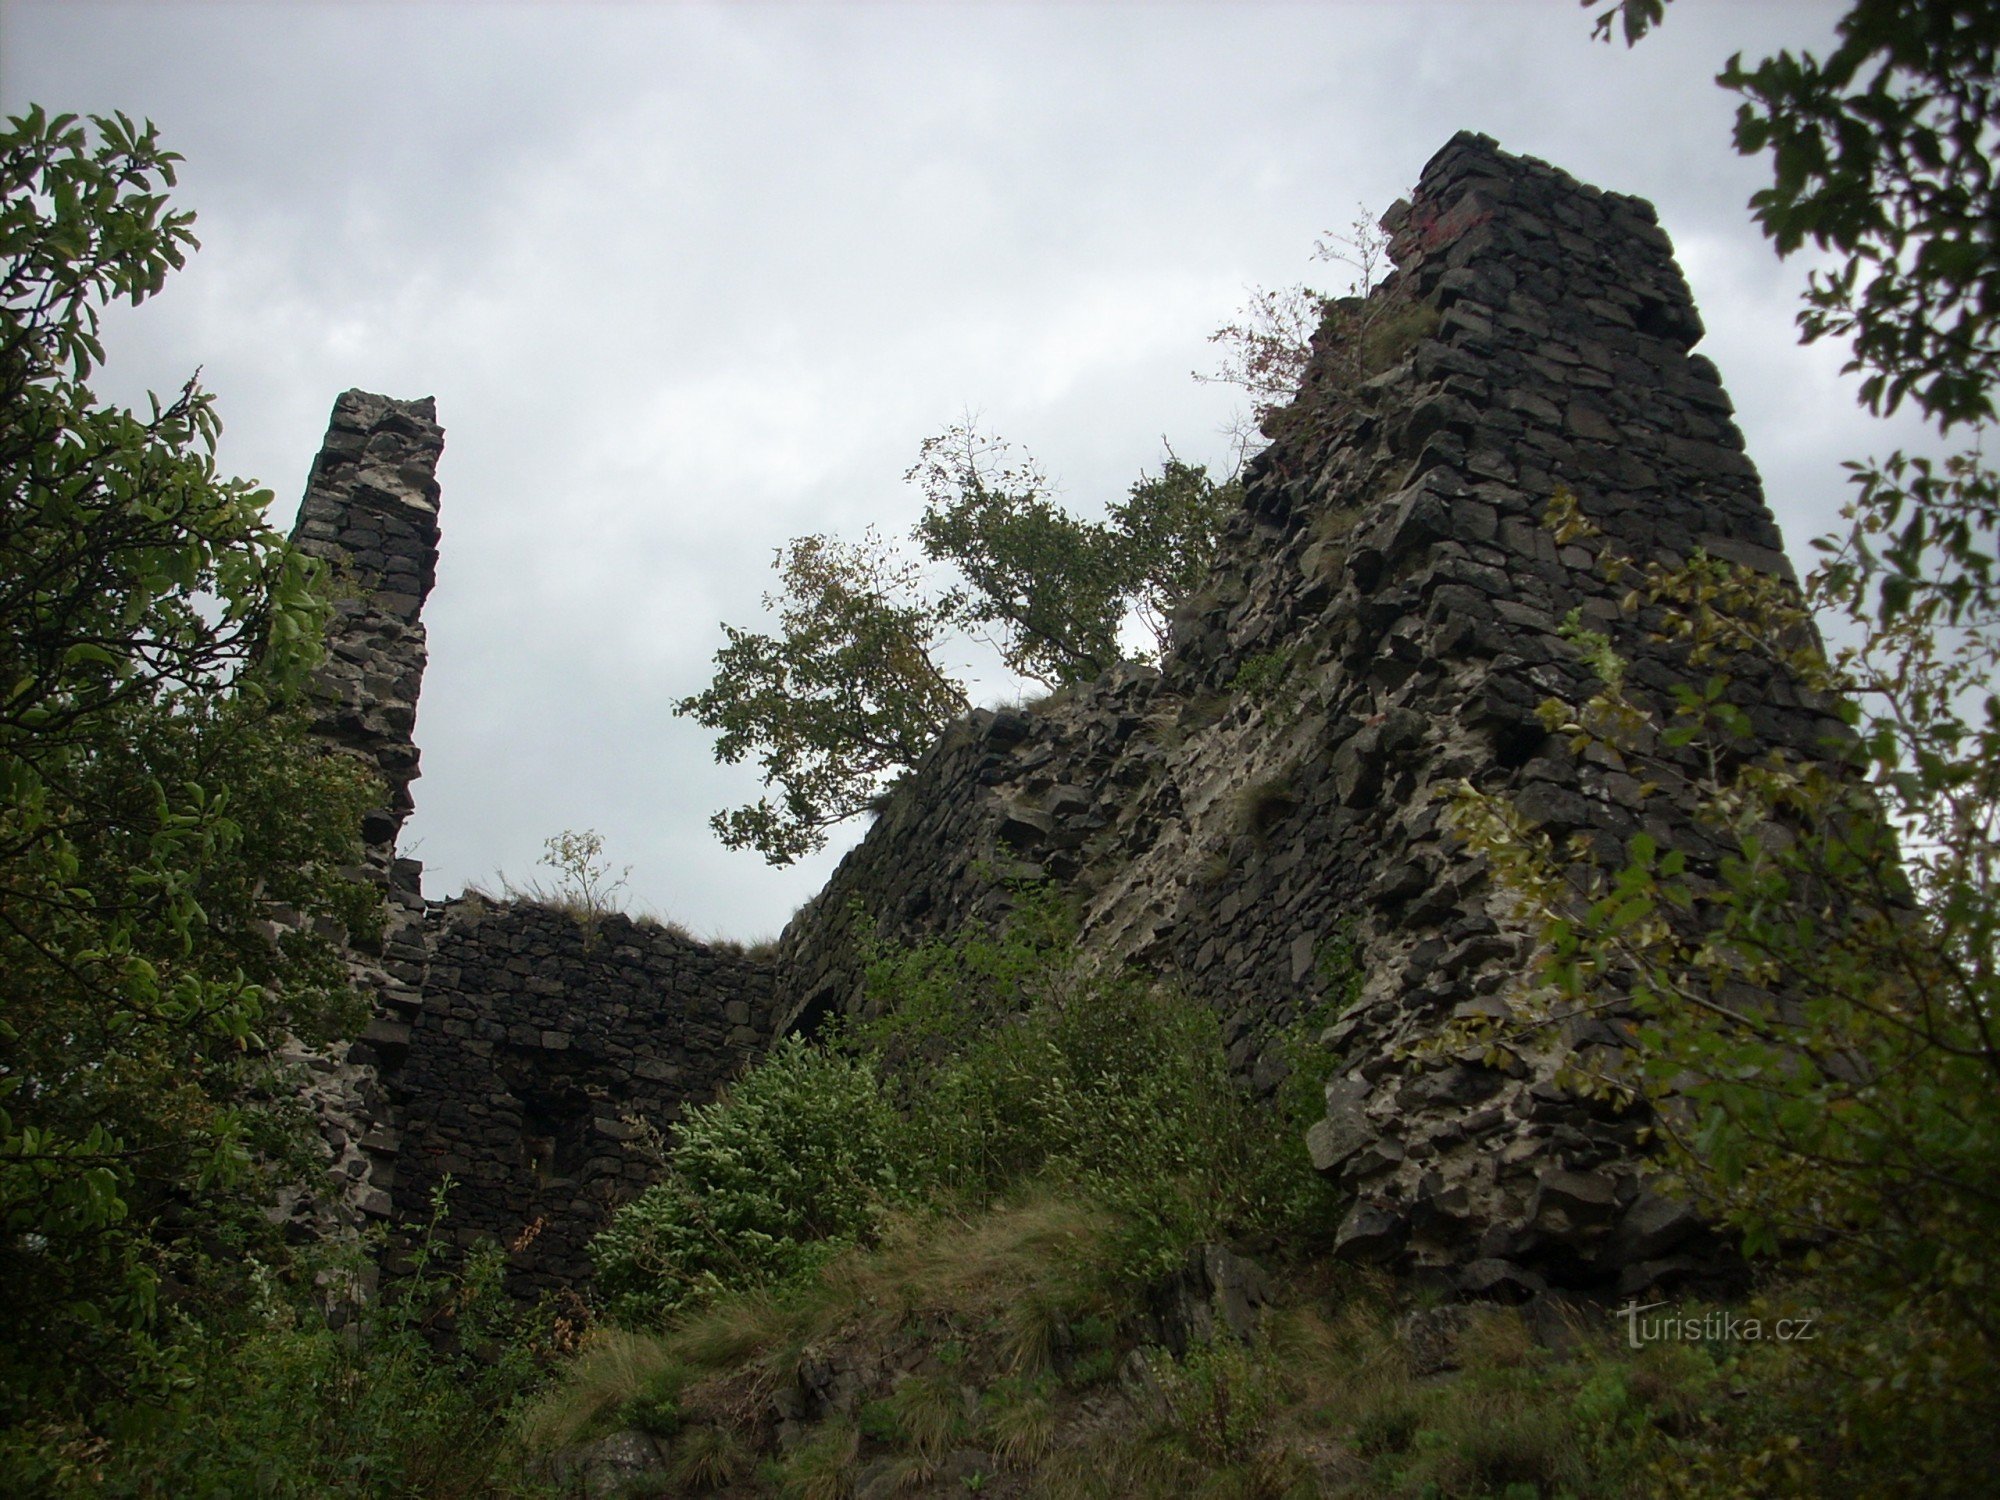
(1260, 812)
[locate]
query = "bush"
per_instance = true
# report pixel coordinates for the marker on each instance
(1808, 988)
(764, 1184)
(271, 1400)
(994, 1058)
(162, 815)
(1013, 1055)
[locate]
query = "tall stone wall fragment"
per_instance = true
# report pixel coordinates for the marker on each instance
(371, 513)
(513, 1049)
(1386, 614)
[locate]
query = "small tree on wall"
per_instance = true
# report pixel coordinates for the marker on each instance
(852, 690)
(586, 883)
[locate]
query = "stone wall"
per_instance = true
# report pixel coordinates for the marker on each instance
(543, 1042)
(1385, 617)
(509, 1044)
(370, 514)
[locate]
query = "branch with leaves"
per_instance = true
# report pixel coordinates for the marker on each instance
(850, 691)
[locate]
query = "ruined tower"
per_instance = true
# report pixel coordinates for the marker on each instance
(1386, 615)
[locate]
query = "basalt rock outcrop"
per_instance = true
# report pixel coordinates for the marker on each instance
(1254, 818)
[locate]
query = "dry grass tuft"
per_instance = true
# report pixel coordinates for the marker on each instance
(1020, 1422)
(707, 1459)
(823, 1466)
(930, 1411)
(613, 1368)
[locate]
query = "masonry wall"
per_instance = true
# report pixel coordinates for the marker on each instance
(370, 515)
(1399, 608)
(544, 1045)
(508, 1045)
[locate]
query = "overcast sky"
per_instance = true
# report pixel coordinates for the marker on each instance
(688, 280)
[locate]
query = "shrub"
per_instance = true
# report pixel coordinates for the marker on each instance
(762, 1186)
(271, 1400)
(1218, 1400)
(1012, 1055)
(1808, 987)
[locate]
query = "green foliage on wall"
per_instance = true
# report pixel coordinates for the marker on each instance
(994, 1060)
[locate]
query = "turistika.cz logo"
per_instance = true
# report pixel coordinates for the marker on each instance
(1711, 1327)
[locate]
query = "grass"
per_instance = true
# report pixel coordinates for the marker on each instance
(1265, 803)
(586, 913)
(1016, 1330)
(1019, 1420)
(708, 1459)
(969, 1275)
(821, 1468)
(997, 1330)
(613, 1369)
(930, 1411)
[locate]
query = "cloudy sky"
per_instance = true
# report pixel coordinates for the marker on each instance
(688, 280)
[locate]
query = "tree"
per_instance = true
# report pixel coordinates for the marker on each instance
(1051, 590)
(1880, 154)
(1807, 985)
(847, 697)
(158, 808)
(1051, 584)
(1270, 347)
(851, 692)
(1167, 528)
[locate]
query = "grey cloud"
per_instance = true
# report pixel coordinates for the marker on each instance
(689, 280)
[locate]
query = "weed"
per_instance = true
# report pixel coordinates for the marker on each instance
(586, 886)
(1203, 711)
(608, 1374)
(1218, 1400)
(822, 1467)
(1272, 680)
(1264, 804)
(655, 1408)
(1496, 1338)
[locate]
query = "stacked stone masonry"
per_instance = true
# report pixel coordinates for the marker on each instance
(549, 1054)
(1387, 613)
(370, 515)
(1394, 607)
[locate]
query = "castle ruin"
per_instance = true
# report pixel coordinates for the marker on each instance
(1389, 572)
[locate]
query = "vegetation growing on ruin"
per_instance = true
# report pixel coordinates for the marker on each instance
(957, 1277)
(995, 1060)
(855, 686)
(997, 1323)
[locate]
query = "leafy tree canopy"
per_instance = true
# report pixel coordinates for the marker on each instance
(848, 694)
(157, 805)
(852, 690)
